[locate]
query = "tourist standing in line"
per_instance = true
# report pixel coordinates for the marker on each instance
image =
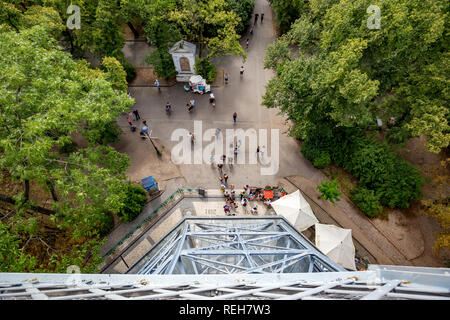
(234, 117)
(225, 177)
(262, 17)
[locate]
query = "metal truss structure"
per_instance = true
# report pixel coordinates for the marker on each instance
(229, 245)
(378, 283)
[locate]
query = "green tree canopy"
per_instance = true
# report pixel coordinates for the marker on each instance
(46, 99)
(348, 75)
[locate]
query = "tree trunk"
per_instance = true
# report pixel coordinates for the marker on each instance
(136, 34)
(71, 41)
(27, 190)
(12, 24)
(52, 190)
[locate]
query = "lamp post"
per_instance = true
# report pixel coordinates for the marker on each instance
(144, 131)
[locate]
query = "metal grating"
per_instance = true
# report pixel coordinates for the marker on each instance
(229, 245)
(376, 284)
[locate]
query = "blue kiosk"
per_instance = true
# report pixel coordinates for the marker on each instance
(150, 185)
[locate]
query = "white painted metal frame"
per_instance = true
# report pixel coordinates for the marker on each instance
(365, 285)
(233, 245)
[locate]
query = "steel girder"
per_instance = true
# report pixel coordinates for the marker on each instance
(199, 247)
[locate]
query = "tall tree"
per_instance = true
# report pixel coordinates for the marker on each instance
(46, 97)
(399, 73)
(210, 25)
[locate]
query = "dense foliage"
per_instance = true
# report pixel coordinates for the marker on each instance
(367, 201)
(344, 74)
(287, 11)
(335, 77)
(47, 98)
(206, 69)
(244, 10)
(395, 182)
(134, 202)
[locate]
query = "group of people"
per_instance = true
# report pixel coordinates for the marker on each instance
(133, 114)
(256, 17)
(252, 27)
(231, 199)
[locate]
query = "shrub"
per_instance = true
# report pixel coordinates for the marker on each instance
(162, 62)
(206, 69)
(398, 136)
(395, 182)
(310, 150)
(329, 191)
(133, 204)
(129, 69)
(367, 201)
(322, 161)
(110, 133)
(106, 224)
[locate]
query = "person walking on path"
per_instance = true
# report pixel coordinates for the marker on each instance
(262, 151)
(130, 115)
(158, 85)
(136, 114)
(257, 150)
(256, 18)
(225, 177)
(129, 121)
(218, 132)
(168, 108)
(226, 78)
(224, 157)
(246, 44)
(234, 117)
(241, 71)
(251, 30)
(262, 17)
(236, 150)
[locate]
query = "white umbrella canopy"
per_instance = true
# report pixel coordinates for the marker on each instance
(337, 244)
(296, 210)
